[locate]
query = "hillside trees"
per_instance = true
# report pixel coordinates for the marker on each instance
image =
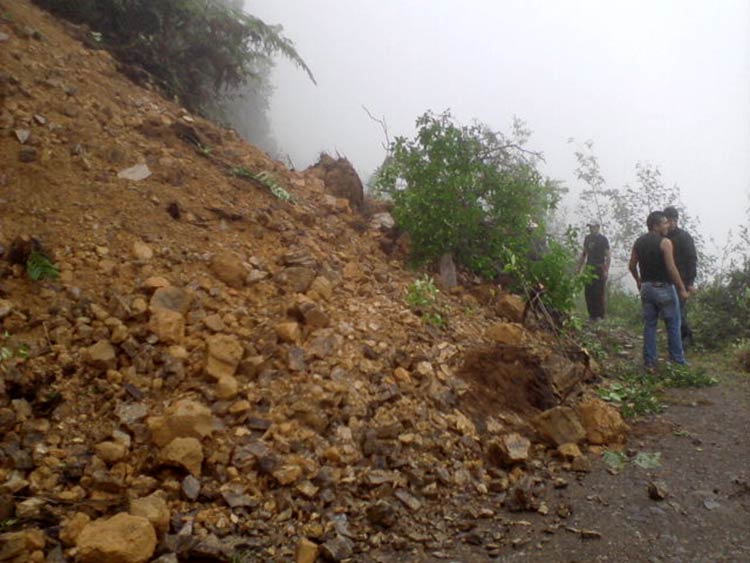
(476, 195)
(197, 50)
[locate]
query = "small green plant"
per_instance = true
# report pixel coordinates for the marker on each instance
(676, 375)
(40, 267)
(633, 399)
(264, 178)
(422, 298)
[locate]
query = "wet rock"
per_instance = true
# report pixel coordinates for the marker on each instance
(305, 551)
(154, 509)
(602, 422)
(560, 425)
(120, 539)
(184, 452)
(509, 450)
(183, 419)
(135, 173)
(228, 268)
(224, 355)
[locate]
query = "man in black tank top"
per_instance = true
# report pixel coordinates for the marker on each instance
(653, 268)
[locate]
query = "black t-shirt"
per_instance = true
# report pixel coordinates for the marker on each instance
(650, 258)
(685, 256)
(596, 247)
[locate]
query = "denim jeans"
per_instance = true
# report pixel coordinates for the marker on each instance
(660, 300)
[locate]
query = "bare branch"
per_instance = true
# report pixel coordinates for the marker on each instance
(383, 126)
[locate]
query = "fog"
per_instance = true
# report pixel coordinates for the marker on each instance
(666, 82)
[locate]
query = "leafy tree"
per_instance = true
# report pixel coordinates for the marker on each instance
(196, 49)
(474, 194)
(596, 200)
(465, 190)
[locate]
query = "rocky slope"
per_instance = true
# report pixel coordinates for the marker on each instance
(219, 372)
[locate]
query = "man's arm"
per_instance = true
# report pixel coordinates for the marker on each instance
(633, 267)
(668, 254)
(607, 261)
(691, 262)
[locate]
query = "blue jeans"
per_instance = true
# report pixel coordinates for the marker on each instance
(660, 300)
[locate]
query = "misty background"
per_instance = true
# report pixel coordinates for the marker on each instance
(664, 82)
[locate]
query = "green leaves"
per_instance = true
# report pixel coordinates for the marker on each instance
(195, 49)
(40, 267)
(265, 179)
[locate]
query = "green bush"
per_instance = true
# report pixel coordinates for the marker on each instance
(422, 298)
(196, 49)
(719, 313)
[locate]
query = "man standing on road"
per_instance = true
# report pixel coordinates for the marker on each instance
(595, 254)
(653, 268)
(686, 260)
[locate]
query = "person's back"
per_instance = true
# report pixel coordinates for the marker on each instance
(650, 258)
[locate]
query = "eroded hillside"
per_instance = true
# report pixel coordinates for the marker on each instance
(229, 372)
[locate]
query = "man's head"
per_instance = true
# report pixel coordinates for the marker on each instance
(672, 217)
(594, 227)
(657, 222)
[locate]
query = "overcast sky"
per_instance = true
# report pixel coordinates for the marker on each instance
(661, 81)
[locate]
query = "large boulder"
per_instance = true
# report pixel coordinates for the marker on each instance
(124, 538)
(602, 422)
(340, 179)
(560, 425)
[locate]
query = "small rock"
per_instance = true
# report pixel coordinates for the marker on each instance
(287, 474)
(168, 325)
(305, 551)
(72, 527)
(168, 297)
(511, 307)
(229, 269)
(154, 509)
(337, 549)
(289, 332)
(381, 513)
(602, 422)
(183, 419)
(512, 334)
(560, 425)
(227, 388)
(224, 355)
(120, 539)
(5, 308)
(657, 490)
(22, 135)
(101, 355)
(191, 487)
(111, 452)
(509, 450)
(185, 452)
(569, 452)
(28, 154)
(409, 500)
(142, 251)
(135, 173)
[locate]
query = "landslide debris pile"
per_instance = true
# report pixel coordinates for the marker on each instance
(219, 372)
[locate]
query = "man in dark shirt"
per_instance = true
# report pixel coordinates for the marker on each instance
(653, 268)
(595, 254)
(686, 259)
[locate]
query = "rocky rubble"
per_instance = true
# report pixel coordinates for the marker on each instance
(244, 376)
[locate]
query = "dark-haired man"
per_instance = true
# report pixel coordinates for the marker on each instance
(595, 254)
(686, 260)
(653, 268)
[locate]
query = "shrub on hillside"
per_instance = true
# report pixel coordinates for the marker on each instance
(196, 49)
(720, 313)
